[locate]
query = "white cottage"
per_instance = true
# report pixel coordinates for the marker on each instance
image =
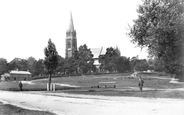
(16, 75)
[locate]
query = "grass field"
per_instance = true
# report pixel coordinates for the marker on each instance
(7, 109)
(155, 86)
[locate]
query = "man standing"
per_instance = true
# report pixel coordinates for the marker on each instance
(140, 83)
(20, 85)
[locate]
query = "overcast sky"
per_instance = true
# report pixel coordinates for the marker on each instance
(26, 25)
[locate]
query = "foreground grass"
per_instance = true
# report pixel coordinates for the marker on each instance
(7, 109)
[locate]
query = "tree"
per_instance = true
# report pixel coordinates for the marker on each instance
(84, 58)
(81, 61)
(38, 67)
(24, 65)
(18, 64)
(141, 65)
(70, 66)
(13, 65)
(113, 62)
(61, 62)
(51, 59)
(108, 60)
(123, 64)
(30, 62)
(160, 28)
(3, 66)
(158, 65)
(133, 62)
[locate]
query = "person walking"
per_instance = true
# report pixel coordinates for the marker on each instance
(141, 82)
(20, 85)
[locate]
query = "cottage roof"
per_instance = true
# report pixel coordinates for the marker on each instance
(98, 51)
(20, 72)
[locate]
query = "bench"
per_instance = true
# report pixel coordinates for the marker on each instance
(111, 84)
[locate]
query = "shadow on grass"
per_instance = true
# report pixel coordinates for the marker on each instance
(36, 89)
(7, 109)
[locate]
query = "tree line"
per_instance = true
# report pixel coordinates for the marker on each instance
(82, 62)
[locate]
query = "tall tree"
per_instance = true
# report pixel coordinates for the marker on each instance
(84, 59)
(160, 28)
(51, 59)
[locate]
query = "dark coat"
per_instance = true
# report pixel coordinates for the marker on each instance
(20, 84)
(141, 82)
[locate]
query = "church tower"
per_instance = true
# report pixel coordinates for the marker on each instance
(71, 40)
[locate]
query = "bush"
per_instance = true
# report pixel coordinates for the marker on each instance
(142, 66)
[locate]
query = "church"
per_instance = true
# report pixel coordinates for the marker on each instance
(71, 40)
(71, 44)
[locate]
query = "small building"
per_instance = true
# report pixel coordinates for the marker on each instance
(15, 75)
(20, 75)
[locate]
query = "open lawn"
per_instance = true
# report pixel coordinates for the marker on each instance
(125, 85)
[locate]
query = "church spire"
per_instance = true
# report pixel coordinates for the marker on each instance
(71, 41)
(71, 26)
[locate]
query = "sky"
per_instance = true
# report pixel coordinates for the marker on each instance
(27, 25)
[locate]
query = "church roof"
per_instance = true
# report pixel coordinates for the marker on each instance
(98, 51)
(71, 26)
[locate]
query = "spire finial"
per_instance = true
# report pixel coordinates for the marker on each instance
(71, 26)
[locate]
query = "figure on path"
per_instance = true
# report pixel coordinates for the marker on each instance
(140, 83)
(20, 85)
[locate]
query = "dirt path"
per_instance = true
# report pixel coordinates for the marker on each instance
(70, 104)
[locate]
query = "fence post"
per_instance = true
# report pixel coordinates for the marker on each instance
(54, 87)
(51, 87)
(47, 87)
